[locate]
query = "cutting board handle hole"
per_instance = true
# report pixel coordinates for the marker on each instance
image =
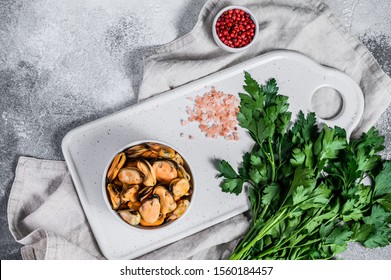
(327, 102)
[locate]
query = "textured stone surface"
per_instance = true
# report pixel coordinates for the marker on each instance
(65, 63)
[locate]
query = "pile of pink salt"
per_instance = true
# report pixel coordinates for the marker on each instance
(216, 114)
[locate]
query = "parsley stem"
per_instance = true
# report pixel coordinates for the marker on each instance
(268, 158)
(268, 226)
(304, 224)
(279, 152)
(264, 211)
(248, 236)
(273, 249)
(272, 160)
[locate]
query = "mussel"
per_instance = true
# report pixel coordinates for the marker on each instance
(182, 173)
(131, 217)
(179, 187)
(161, 150)
(130, 176)
(165, 171)
(150, 209)
(181, 208)
(144, 193)
(149, 174)
(167, 202)
(134, 206)
(115, 195)
(116, 165)
(129, 193)
(178, 159)
(158, 222)
(136, 151)
(153, 150)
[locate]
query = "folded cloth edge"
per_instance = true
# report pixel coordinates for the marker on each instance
(27, 251)
(14, 200)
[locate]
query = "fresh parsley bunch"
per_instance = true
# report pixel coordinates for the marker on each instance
(311, 190)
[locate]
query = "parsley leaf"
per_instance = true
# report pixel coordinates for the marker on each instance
(226, 170)
(383, 181)
(232, 186)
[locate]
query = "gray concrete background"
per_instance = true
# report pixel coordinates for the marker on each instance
(65, 63)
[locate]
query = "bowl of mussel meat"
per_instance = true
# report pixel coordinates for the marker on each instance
(148, 185)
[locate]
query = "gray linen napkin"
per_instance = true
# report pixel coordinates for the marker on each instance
(44, 212)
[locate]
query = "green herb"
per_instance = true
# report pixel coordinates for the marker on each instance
(311, 191)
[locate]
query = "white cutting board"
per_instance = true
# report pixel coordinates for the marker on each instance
(88, 148)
